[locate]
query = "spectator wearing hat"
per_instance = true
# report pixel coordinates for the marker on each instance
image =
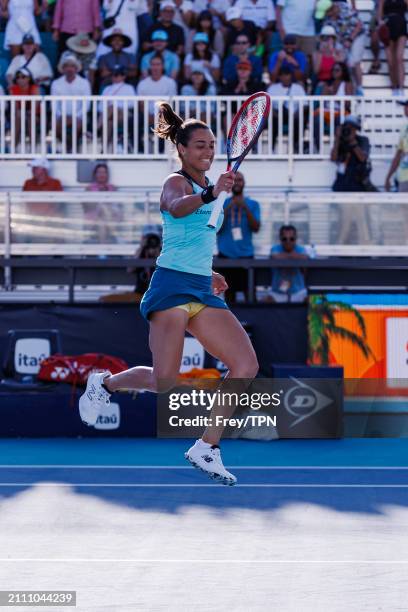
(242, 46)
(170, 59)
(131, 14)
(21, 20)
(84, 48)
(351, 36)
(326, 56)
(23, 85)
(41, 181)
(399, 164)
(289, 57)
(215, 36)
(198, 86)
(76, 16)
(31, 58)
(70, 84)
(236, 26)
(165, 22)
(117, 41)
(285, 87)
(297, 17)
(244, 84)
(202, 57)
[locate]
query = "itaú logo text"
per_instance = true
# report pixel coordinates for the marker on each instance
(29, 353)
(304, 401)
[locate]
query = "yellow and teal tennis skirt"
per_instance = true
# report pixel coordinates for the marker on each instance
(170, 288)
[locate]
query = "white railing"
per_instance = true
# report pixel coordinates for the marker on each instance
(115, 127)
(86, 223)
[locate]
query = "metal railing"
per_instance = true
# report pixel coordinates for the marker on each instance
(121, 127)
(111, 223)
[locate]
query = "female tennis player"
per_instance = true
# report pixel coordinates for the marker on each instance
(183, 292)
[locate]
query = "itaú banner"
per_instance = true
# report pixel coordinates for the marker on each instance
(381, 322)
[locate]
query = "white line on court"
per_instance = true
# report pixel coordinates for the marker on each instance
(188, 467)
(115, 485)
(211, 561)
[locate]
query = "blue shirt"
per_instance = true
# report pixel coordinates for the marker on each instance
(236, 217)
(229, 71)
(299, 56)
(188, 243)
(287, 280)
(171, 61)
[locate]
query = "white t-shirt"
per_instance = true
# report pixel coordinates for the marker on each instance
(259, 12)
(198, 63)
(298, 16)
(39, 66)
(124, 89)
(78, 87)
(165, 86)
(278, 90)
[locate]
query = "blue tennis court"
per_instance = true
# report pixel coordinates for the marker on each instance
(311, 525)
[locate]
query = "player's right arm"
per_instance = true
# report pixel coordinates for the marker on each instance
(179, 200)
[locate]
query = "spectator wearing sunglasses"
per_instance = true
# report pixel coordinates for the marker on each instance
(288, 284)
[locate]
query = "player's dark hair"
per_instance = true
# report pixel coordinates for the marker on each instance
(287, 228)
(172, 127)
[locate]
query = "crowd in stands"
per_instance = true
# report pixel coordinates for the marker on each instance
(204, 47)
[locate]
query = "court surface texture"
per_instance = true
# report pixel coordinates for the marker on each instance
(129, 525)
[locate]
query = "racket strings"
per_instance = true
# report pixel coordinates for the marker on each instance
(247, 126)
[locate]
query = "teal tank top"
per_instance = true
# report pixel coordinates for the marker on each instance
(188, 244)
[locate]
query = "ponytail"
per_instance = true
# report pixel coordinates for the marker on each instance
(172, 127)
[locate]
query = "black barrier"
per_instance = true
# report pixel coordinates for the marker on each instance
(263, 409)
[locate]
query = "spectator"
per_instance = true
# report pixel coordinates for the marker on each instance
(46, 211)
(84, 49)
(76, 16)
(117, 57)
(198, 86)
(290, 57)
(70, 84)
(184, 15)
(150, 248)
(351, 154)
(170, 59)
(229, 71)
(23, 85)
(237, 26)
(392, 13)
(288, 284)
(99, 216)
(297, 17)
(215, 37)
(21, 20)
(400, 161)
(218, 10)
(119, 87)
(166, 22)
(351, 36)
(37, 63)
(245, 84)
(260, 12)
(126, 20)
(325, 57)
(280, 112)
(157, 84)
(202, 57)
(242, 218)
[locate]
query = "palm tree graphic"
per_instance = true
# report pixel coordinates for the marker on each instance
(322, 325)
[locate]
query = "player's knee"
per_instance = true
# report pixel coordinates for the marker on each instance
(247, 367)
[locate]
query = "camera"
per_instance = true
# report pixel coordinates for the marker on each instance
(346, 132)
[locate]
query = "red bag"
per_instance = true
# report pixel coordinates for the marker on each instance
(75, 369)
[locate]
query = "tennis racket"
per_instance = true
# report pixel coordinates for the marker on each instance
(245, 130)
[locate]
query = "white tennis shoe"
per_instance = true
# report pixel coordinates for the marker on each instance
(94, 398)
(208, 459)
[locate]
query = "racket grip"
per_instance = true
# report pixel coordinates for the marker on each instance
(217, 208)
